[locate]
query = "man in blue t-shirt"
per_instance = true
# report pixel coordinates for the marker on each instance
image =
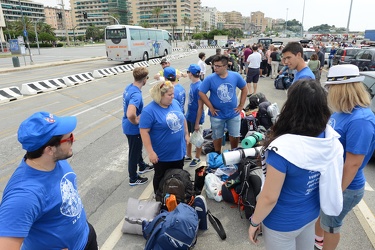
(133, 105)
(293, 58)
(194, 114)
(41, 207)
(170, 74)
(222, 103)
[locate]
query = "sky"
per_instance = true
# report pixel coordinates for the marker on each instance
(317, 12)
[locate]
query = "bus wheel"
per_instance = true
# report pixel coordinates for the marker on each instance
(165, 52)
(145, 56)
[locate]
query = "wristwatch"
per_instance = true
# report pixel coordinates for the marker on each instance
(252, 223)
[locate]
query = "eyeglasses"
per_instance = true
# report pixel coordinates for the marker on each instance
(188, 71)
(70, 139)
(219, 66)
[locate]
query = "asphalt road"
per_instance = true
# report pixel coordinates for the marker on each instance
(100, 152)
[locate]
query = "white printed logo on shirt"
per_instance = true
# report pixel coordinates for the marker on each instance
(175, 121)
(71, 205)
(225, 92)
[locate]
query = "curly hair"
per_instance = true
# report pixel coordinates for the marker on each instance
(305, 111)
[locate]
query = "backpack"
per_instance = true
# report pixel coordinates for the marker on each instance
(263, 116)
(279, 82)
(178, 182)
(172, 230)
(255, 100)
(251, 177)
(248, 123)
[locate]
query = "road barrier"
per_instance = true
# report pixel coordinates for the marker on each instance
(10, 94)
(34, 88)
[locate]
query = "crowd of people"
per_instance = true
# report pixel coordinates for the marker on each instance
(301, 197)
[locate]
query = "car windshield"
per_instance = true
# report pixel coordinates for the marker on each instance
(351, 52)
(308, 54)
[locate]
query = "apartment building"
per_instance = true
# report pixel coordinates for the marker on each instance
(100, 13)
(209, 17)
(12, 10)
(58, 18)
(176, 16)
(257, 19)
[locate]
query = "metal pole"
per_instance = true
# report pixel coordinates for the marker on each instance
(286, 21)
(37, 41)
(350, 12)
(115, 19)
(64, 20)
(303, 15)
(25, 33)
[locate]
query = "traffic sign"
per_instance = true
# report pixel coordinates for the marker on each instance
(25, 33)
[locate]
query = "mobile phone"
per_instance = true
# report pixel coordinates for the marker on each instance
(256, 234)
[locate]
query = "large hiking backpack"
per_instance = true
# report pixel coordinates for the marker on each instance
(255, 100)
(263, 116)
(279, 82)
(251, 177)
(248, 123)
(172, 230)
(178, 182)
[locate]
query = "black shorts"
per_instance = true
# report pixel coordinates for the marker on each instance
(92, 244)
(252, 75)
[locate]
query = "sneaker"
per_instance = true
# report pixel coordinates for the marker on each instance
(195, 162)
(318, 244)
(187, 158)
(138, 181)
(200, 206)
(146, 168)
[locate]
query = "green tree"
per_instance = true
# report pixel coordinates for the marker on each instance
(156, 11)
(189, 24)
(174, 25)
(145, 24)
(204, 25)
(94, 32)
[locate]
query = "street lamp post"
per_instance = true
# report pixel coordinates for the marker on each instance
(286, 21)
(25, 33)
(36, 36)
(303, 15)
(350, 12)
(114, 19)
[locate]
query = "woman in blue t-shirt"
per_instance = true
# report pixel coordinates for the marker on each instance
(303, 156)
(355, 122)
(164, 131)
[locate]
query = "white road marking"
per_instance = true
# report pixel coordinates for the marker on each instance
(367, 220)
(115, 236)
(368, 187)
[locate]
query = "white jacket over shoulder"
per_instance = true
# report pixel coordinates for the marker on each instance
(324, 155)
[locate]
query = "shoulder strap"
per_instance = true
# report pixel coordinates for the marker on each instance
(215, 222)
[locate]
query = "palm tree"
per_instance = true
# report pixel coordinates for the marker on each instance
(185, 21)
(157, 12)
(205, 24)
(189, 24)
(145, 24)
(174, 25)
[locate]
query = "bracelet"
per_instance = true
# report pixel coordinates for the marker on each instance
(252, 223)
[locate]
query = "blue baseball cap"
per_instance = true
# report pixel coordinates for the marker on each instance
(38, 129)
(170, 73)
(194, 69)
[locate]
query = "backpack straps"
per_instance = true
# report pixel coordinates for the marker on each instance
(215, 222)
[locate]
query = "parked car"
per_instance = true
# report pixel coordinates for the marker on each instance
(343, 55)
(364, 59)
(307, 53)
(369, 83)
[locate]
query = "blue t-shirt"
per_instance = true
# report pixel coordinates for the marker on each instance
(167, 130)
(223, 93)
(132, 96)
(298, 203)
(357, 131)
(180, 96)
(305, 73)
(44, 208)
(191, 114)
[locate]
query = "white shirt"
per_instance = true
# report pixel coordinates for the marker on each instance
(202, 65)
(254, 60)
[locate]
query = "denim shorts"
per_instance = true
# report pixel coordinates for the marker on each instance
(332, 224)
(232, 125)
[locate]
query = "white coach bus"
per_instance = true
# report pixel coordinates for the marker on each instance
(126, 43)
